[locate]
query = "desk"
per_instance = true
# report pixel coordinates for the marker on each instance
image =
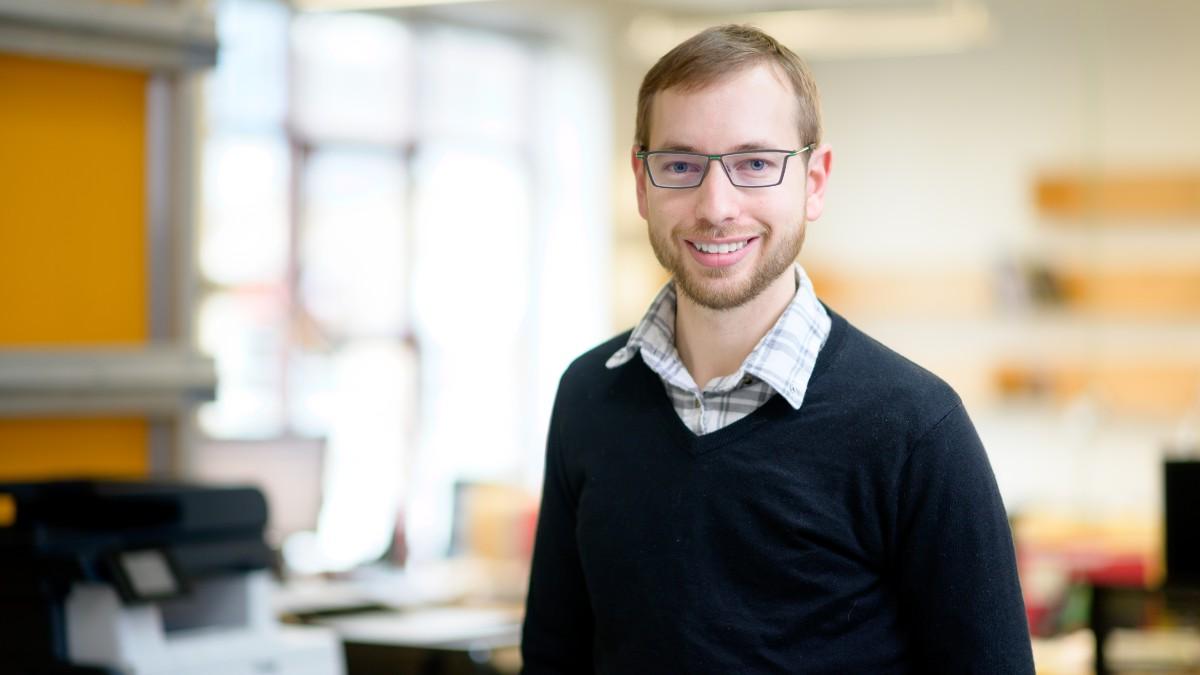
(1116, 607)
(429, 641)
(441, 618)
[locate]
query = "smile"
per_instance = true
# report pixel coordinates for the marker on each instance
(728, 247)
(720, 254)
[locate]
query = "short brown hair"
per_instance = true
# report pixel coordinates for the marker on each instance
(722, 50)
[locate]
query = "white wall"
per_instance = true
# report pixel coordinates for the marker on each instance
(935, 155)
(935, 158)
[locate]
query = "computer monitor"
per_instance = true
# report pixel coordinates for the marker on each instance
(1181, 491)
(289, 473)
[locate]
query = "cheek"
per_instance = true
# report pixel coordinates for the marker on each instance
(667, 208)
(778, 213)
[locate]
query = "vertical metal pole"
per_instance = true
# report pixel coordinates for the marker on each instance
(184, 102)
(170, 202)
(161, 280)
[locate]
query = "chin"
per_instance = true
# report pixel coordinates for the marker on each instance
(718, 291)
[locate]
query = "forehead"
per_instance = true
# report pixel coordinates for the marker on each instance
(752, 105)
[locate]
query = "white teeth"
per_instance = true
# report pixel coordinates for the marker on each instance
(720, 248)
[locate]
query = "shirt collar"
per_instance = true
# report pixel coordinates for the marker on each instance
(783, 358)
(654, 337)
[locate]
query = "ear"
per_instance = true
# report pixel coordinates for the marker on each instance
(639, 178)
(819, 164)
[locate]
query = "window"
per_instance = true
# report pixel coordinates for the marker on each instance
(372, 252)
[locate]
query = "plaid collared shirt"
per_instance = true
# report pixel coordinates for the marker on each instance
(781, 362)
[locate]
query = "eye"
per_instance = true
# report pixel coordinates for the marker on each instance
(756, 164)
(676, 166)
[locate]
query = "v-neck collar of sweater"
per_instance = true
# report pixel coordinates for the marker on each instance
(775, 408)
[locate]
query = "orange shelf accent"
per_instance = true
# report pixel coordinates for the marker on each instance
(1136, 198)
(1136, 292)
(1156, 389)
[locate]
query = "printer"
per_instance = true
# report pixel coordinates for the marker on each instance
(144, 578)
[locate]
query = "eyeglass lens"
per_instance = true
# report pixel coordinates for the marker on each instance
(746, 169)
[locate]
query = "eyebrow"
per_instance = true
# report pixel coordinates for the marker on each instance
(741, 147)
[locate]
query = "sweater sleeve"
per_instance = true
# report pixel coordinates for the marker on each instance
(954, 560)
(557, 634)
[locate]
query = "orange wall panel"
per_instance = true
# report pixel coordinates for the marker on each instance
(72, 203)
(72, 244)
(71, 448)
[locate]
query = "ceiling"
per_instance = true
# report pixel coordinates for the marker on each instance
(740, 6)
(817, 29)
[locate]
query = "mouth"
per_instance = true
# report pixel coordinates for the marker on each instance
(720, 253)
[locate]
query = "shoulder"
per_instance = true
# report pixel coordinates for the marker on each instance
(590, 393)
(589, 371)
(880, 385)
(593, 360)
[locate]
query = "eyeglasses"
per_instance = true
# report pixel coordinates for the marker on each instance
(751, 169)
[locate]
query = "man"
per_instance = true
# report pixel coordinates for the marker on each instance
(745, 482)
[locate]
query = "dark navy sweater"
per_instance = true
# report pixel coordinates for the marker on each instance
(862, 533)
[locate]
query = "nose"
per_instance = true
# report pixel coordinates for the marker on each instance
(716, 196)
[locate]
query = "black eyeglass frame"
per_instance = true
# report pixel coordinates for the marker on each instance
(788, 154)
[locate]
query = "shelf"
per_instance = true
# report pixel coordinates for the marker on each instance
(179, 36)
(152, 381)
(1165, 389)
(1130, 197)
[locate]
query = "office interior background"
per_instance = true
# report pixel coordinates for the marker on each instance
(343, 250)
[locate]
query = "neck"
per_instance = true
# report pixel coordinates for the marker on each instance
(714, 343)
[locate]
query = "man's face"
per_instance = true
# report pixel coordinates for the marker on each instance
(751, 109)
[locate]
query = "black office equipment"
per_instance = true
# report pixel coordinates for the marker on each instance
(145, 577)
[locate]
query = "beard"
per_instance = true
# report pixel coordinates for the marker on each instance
(718, 288)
